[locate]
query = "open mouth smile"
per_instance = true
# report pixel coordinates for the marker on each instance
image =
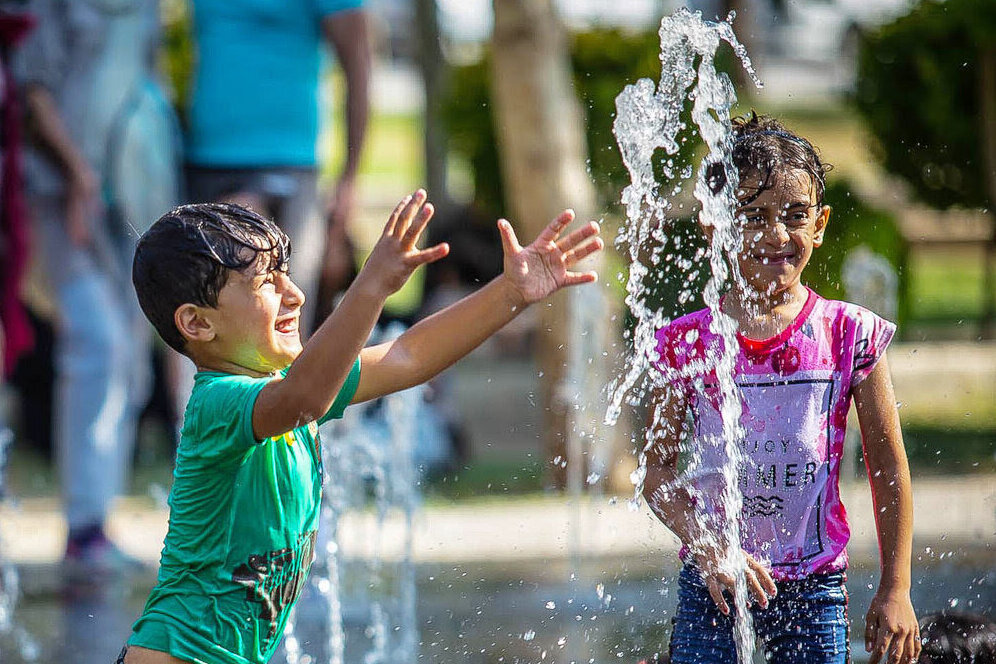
(287, 325)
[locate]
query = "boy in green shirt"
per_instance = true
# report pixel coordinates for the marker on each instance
(246, 493)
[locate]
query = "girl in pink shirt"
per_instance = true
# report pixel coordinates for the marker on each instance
(801, 359)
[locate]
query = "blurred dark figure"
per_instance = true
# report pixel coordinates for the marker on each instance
(952, 637)
(100, 167)
(253, 120)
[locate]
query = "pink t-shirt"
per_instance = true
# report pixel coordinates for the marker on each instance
(796, 390)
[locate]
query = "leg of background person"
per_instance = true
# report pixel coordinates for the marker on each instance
(92, 400)
(300, 216)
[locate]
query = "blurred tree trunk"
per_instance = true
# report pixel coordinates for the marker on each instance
(987, 93)
(541, 145)
(434, 77)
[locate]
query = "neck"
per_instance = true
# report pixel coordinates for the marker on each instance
(762, 315)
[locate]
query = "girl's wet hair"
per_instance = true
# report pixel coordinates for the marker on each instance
(765, 149)
(189, 253)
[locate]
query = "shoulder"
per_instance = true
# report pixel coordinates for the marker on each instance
(684, 339)
(849, 315)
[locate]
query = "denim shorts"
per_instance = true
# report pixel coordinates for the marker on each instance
(806, 623)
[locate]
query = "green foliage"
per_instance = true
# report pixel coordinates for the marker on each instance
(918, 89)
(177, 54)
(852, 224)
(470, 124)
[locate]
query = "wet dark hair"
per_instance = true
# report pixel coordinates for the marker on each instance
(763, 147)
(189, 253)
(951, 637)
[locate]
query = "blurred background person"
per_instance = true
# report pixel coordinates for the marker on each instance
(253, 120)
(100, 166)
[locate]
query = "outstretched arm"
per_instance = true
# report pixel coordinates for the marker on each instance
(674, 506)
(891, 631)
(433, 344)
(318, 373)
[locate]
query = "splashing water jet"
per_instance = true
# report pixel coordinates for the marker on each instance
(648, 119)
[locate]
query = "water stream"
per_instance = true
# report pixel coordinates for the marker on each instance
(651, 118)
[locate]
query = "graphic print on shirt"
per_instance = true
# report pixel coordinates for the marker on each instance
(786, 452)
(274, 579)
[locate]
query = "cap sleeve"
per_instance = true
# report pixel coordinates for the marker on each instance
(871, 339)
(345, 395)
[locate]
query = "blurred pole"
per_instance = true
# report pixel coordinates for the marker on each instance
(541, 144)
(987, 94)
(434, 79)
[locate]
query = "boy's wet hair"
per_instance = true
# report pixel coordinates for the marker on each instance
(189, 252)
(764, 148)
(951, 637)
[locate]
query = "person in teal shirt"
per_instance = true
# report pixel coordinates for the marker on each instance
(212, 279)
(253, 117)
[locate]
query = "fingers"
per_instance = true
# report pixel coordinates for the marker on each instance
(577, 236)
(755, 590)
(582, 252)
(554, 228)
(393, 219)
(578, 278)
(509, 243)
(415, 230)
(432, 254)
(912, 646)
(883, 640)
(871, 621)
(716, 592)
(763, 576)
(401, 218)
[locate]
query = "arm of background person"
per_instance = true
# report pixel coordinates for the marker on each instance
(349, 34)
(82, 184)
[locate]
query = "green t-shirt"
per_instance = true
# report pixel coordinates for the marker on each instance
(243, 518)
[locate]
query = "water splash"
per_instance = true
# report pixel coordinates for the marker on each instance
(649, 119)
(360, 605)
(9, 581)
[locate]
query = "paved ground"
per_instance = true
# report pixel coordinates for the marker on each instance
(951, 513)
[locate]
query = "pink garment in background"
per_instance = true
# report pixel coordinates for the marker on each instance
(796, 390)
(18, 335)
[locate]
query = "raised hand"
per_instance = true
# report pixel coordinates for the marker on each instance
(396, 254)
(544, 266)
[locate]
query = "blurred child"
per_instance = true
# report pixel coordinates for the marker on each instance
(954, 637)
(246, 493)
(800, 361)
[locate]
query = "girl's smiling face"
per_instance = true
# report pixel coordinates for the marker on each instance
(781, 225)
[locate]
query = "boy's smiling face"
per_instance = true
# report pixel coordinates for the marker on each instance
(781, 226)
(255, 326)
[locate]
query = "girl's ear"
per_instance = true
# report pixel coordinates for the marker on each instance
(192, 324)
(822, 219)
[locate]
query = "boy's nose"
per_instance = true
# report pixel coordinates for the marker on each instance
(293, 295)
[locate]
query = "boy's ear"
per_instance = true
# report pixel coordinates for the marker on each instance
(192, 324)
(822, 219)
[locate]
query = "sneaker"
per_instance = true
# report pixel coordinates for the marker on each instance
(98, 558)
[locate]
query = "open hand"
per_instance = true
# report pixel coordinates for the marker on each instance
(396, 254)
(891, 631)
(542, 268)
(718, 577)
